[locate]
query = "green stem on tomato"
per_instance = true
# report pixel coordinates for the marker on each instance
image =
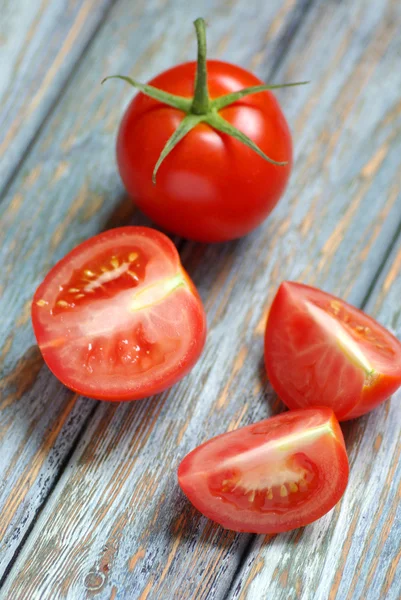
(200, 102)
(179, 102)
(223, 101)
(188, 123)
(220, 124)
(200, 108)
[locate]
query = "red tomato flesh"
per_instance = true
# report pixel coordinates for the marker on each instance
(118, 318)
(273, 476)
(319, 350)
(211, 187)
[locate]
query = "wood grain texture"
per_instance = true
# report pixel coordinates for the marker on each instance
(116, 524)
(40, 44)
(66, 191)
(355, 551)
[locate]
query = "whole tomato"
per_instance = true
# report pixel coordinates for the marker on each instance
(222, 144)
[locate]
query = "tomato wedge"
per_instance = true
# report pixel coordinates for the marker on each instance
(118, 318)
(319, 350)
(273, 476)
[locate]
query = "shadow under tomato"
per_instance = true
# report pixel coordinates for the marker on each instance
(124, 212)
(190, 526)
(275, 404)
(22, 376)
(204, 262)
(353, 432)
(195, 256)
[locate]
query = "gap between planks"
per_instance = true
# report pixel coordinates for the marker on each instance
(381, 267)
(63, 465)
(244, 554)
(362, 305)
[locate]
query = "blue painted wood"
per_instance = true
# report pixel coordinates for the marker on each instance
(67, 190)
(116, 525)
(40, 44)
(354, 552)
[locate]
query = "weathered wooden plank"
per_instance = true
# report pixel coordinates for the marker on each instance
(40, 44)
(116, 524)
(355, 551)
(67, 190)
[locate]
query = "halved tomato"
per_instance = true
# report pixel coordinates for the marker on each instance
(319, 350)
(273, 476)
(118, 318)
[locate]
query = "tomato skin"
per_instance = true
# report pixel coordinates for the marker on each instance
(258, 448)
(105, 318)
(211, 187)
(306, 362)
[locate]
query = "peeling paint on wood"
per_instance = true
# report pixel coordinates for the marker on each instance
(40, 45)
(115, 525)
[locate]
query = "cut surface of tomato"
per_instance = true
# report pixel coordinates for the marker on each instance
(273, 476)
(118, 318)
(319, 350)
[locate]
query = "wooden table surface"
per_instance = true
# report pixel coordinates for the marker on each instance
(89, 501)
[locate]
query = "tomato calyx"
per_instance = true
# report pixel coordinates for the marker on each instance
(201, 108)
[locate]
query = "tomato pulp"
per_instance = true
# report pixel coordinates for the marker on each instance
(118, 318)
(273, 476)
(319, 350)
